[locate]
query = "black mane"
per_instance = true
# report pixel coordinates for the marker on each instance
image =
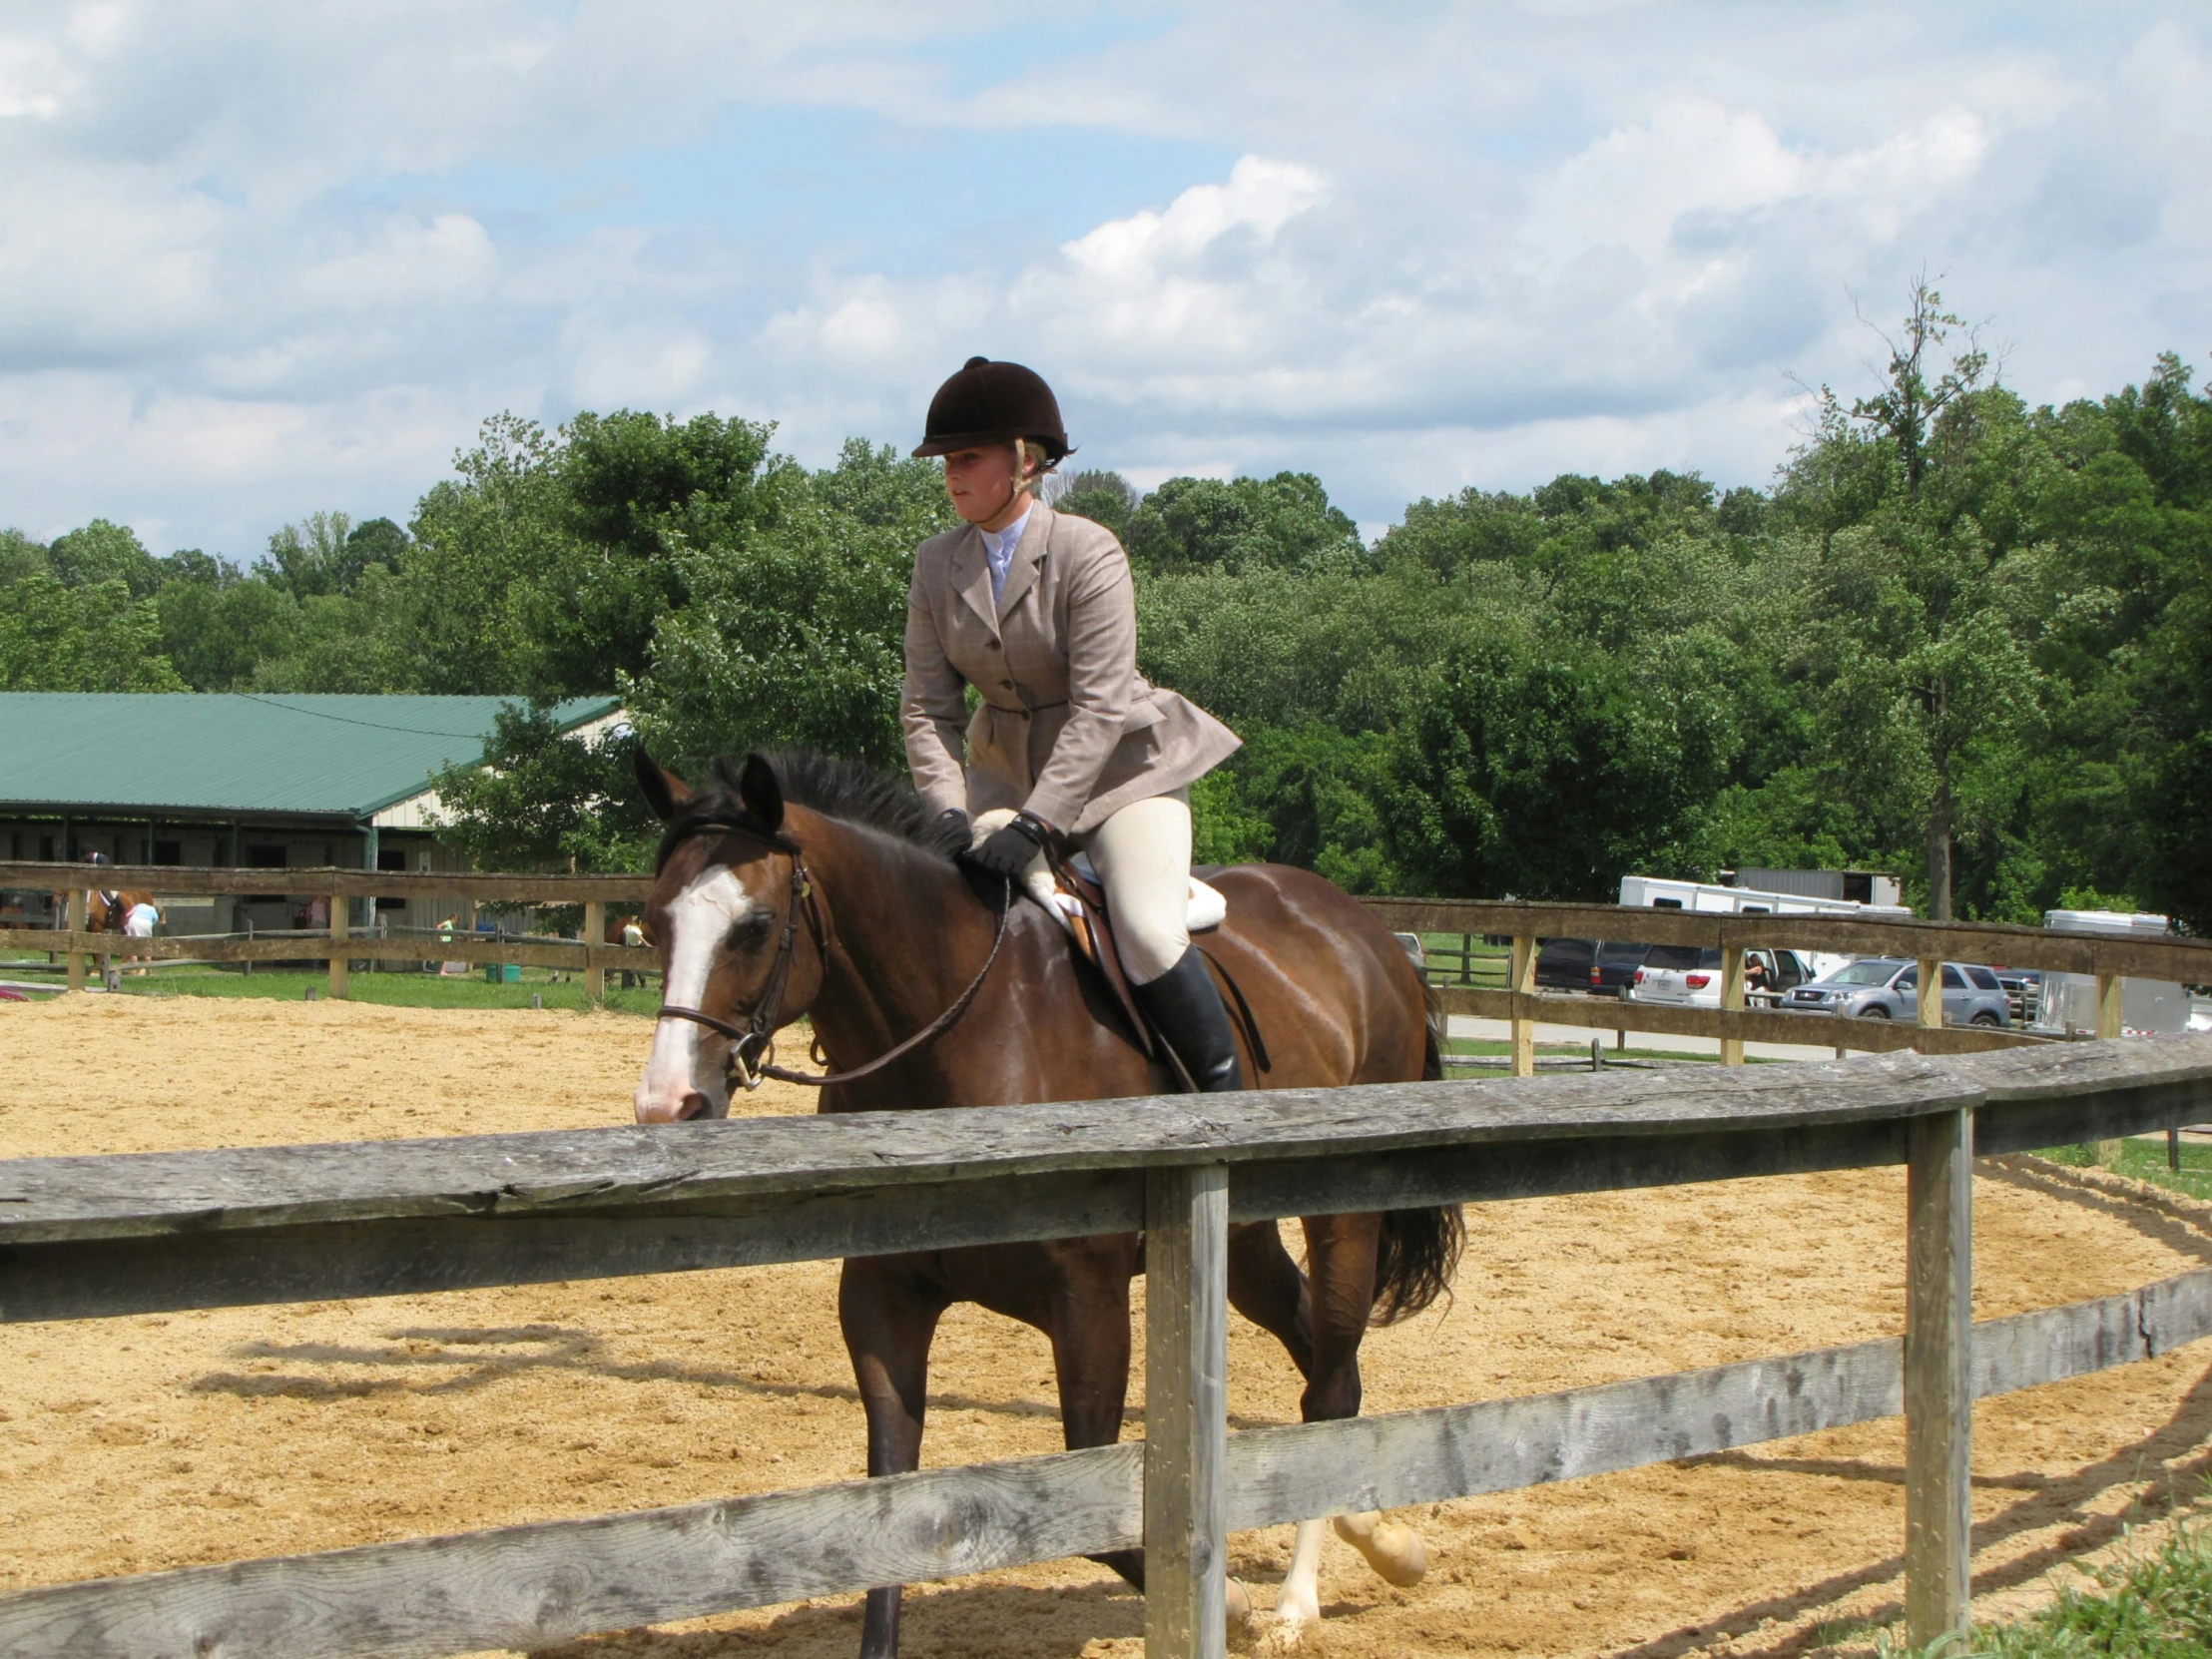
(849, 791)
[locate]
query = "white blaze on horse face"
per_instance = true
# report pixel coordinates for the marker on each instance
(687, 1057)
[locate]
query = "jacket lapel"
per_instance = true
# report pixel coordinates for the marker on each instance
(1021, 574)
(971, 577)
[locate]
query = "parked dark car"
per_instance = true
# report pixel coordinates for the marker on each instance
(1613, 969)
(1564, 964)
(2024, 990)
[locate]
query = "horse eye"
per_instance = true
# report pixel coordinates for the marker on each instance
(749, 929)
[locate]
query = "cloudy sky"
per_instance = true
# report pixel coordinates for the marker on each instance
(262, 258)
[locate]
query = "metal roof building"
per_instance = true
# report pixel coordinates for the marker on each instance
(240, 779)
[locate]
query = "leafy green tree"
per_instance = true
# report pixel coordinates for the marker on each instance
(89, 638)
(311, 559)
(1242, 524)
(793, 633)
(218, 626)
(20, 556)
(103, 552)
(1102, 497)
(1547, 767)
(544, 799)
(374, 541)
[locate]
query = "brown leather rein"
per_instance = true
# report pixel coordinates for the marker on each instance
(753, 1045)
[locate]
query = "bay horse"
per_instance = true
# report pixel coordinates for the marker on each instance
(800, 885)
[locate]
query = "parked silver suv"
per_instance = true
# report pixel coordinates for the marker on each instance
(1886, 987)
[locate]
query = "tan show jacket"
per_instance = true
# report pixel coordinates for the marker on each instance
(1068, 728)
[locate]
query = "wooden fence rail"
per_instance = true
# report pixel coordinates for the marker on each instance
(1731, 1025)
(89, 1237)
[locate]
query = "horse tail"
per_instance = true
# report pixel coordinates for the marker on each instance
(1418, 1249)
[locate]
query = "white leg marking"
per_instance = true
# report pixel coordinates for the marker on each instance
(1394, 1549)
(1297, 1603)
(686, 1059)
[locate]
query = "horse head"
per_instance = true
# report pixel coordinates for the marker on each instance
(740, 935)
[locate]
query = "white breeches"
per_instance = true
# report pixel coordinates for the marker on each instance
(1143, 856)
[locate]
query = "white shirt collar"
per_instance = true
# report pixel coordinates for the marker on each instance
(1000, 544)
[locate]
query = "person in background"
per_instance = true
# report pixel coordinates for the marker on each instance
(140, 924)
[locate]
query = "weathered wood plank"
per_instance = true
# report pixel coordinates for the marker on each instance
(1520, 985)
(1771, 1025)
(595, 932)
(75, 914)
(2187, 960)
(1496, 1445)
(176, 880)
(1938, 1370)
(530, 1586)
(341, 968)
(1186, 1411)
(1732, 1000)
(1429, 1456)
(305, 947)
(669, 1167)
(108, 1278)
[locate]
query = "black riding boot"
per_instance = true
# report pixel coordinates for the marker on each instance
(1186, 1009)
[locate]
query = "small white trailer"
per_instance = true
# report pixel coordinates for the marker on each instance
(1660, 893)
(2069, 1000)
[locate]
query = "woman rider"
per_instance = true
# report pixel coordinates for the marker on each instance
(1035, 610)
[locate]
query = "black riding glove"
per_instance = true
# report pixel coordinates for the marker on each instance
(1009, 851)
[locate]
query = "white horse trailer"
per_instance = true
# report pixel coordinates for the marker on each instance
(1658, 892)
(2069, 1000)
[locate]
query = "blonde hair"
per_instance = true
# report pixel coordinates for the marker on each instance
(1026, 451)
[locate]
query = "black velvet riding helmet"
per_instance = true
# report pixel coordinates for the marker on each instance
(989, 404)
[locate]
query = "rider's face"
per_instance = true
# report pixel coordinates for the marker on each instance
(982, 484)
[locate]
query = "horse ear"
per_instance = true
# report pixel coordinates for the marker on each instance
(762, 792)
(664, 791)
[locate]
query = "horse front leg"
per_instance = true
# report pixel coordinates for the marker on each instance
(1087, 1320)
(889, 1317)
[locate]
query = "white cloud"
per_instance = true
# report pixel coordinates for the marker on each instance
(257, 259)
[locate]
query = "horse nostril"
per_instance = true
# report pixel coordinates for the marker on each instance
(691, 1106)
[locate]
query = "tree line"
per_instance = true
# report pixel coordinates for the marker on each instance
(1959, 637)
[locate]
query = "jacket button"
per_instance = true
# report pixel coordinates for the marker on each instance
(994, 645)
(1005, 685)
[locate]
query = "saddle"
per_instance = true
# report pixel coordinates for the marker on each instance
(1068, 889)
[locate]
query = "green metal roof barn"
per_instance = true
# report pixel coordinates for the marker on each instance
(185, 756)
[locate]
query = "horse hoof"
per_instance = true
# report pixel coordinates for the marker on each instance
(1392, 1549)
(1240, 1605)
(1279, 1636)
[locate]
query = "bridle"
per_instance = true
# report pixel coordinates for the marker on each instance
(753, 1045)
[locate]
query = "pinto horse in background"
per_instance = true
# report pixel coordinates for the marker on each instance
(818, 887)
(105, 911)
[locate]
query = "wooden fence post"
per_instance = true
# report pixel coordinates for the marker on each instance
(1939, 1379)
(1186, 1404)
(1524, 971)
(595, 930)
(1732, 996)
(2109, 1024)
(338, 965)
(74, 918)
(2109, 1020)
(1931, 995)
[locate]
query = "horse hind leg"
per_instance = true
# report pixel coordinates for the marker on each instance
(1342, 1254)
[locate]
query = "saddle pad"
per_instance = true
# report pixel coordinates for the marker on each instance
(1208, 908)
